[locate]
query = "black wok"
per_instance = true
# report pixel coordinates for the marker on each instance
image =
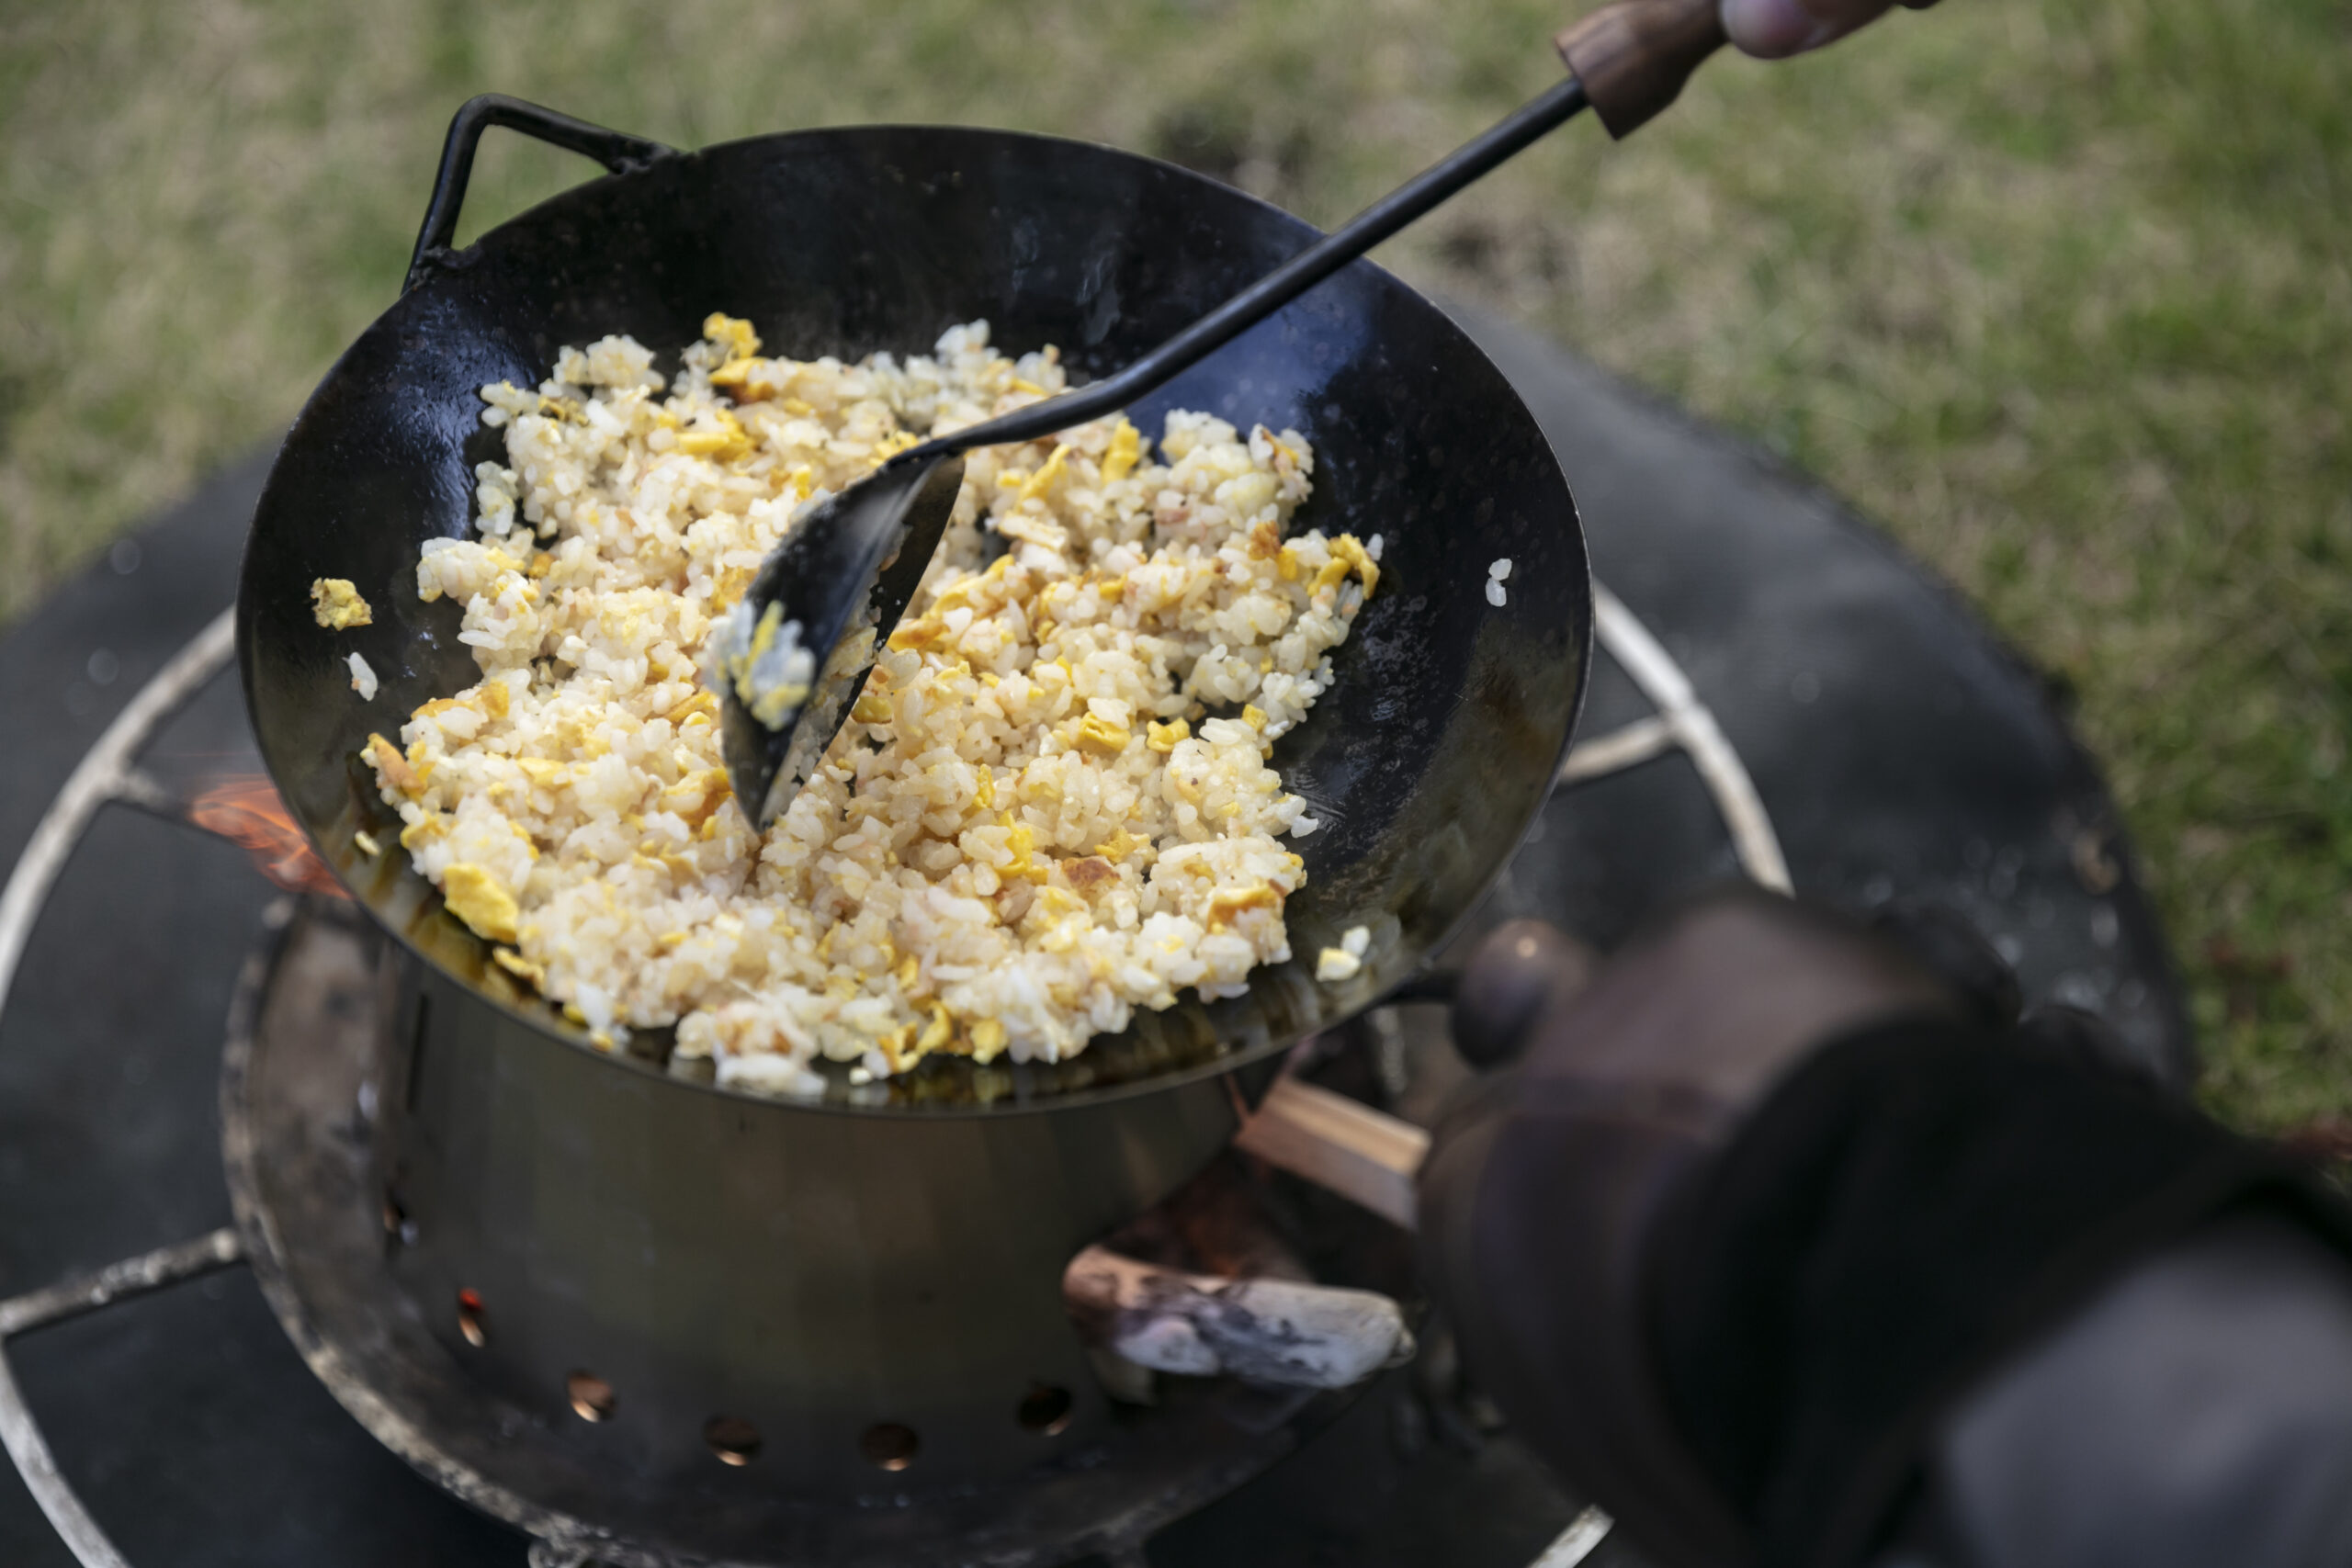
(1425, 761)
(875, 1277)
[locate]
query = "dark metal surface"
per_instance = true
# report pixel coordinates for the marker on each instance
(707, 1255)
(1427, 756)
(640, 1488)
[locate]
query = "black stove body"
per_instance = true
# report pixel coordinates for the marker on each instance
(1781, 695)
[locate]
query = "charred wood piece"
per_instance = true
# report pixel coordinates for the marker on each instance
(1276, 1333)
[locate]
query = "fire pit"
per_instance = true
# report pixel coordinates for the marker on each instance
(1779, 694)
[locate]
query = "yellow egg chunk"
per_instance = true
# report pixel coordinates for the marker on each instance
(1125, 452)
(1102, 736)
(1226, 907)
(514, 964)
(337, 606)
(475, 896)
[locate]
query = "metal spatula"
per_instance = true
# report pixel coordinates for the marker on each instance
(790, 659)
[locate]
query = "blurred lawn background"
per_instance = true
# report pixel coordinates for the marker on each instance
(2060, 291)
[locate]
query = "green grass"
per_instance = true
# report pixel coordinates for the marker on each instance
(2060, 290)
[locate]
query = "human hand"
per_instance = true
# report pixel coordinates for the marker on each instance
(1633, 56)
(1774, 30)
(1544, 1193)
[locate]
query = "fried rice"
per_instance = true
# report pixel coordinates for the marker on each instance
(1052, 803)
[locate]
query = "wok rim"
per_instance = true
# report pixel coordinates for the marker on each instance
(1235, 1059)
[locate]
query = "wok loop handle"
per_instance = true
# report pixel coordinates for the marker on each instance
(1634, 57)
(618, 151)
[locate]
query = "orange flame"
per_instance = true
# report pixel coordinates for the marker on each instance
(244, 808)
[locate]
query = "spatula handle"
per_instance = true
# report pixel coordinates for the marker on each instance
(1633, 57)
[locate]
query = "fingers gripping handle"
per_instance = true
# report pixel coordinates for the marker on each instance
(1633, 57)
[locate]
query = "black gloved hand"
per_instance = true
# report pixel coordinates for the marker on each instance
(1540, 1196)
(1764, 1199)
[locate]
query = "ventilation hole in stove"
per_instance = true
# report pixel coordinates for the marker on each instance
(890, 1446)
(592, 1396)
(473, 1319)
(733, 1438)
(397, 1224)
(1044, 1409)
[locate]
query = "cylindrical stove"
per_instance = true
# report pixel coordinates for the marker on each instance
(193, 1371)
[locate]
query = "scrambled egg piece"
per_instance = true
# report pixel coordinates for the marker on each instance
(475, 896)
(1100, 735)
(338, 605)
(1127, 450)
(1225, 907)
(1041, 481)
(522, 968)
(392, 766)
(736, 333)
(730, 442)
(1348, 553)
